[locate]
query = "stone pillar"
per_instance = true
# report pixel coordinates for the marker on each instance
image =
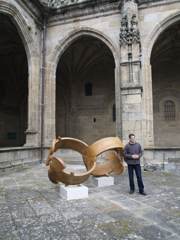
(33, 130)
(50, 104)
(130, 66)
(118, 102)
(148, 131)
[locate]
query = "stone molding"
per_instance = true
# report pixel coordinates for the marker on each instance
(19, 21)
(59, 3)
(33, 10)
(56, 4)
(73, 35)
(84, 10)
(157, 30)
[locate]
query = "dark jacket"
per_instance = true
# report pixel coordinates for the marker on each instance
(131, 149)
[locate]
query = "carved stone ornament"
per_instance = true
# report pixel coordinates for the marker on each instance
(59, 3)
(129, 32)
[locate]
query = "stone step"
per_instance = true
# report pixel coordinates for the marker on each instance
(174, 160)
(173, 165)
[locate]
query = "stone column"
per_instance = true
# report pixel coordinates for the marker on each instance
(50, 104)
(33, 130)
(118, 101)
(148, 131)
(131, 85)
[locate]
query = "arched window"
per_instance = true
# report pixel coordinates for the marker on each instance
(169, 110)
(88, 89)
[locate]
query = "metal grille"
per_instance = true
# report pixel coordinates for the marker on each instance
(169, 110)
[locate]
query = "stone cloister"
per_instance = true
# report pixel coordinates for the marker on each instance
(89, 69)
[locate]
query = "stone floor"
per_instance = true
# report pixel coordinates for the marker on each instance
(30, 208)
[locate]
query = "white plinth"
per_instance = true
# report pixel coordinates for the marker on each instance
(104, 181)
(73, 192)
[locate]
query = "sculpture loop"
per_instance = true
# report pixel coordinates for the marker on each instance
(111, 146)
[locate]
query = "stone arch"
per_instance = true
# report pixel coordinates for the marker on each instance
(21, 25)
(75, 34)
(161, 26)
(161, 65)
(25, 32)
(58, 51)
(147, 47)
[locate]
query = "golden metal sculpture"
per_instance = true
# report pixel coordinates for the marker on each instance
(111, 146)
(57, 172)
(115, 158)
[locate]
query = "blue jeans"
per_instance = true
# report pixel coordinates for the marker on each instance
(137, 169)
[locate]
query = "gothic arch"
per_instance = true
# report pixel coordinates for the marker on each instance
(53, 60)
(147, 47)
(161, 26)
(25, 33)
(158, 74)
(21, 25)
(72, 36)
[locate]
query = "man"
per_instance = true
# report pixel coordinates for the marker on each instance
(132, 155)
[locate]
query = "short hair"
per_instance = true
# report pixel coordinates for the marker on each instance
(131, 134)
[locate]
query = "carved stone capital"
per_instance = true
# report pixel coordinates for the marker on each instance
(129, 32)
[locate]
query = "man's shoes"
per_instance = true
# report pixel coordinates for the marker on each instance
(131, 191)
(143, 193)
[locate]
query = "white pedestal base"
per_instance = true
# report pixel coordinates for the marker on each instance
(104, 181)
(73, 192)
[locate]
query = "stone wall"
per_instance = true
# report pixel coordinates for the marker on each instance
(29, 31)
(85, 93)
(131, 85)
(154, 19)
(18, 157)
(27, 25)
(60, 35)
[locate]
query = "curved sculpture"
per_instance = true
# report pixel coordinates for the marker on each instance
(111, 146)
(57, 172)
(114, 158)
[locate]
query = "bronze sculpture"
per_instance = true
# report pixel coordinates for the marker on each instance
(111, 146)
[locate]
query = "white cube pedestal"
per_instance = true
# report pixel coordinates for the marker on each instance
(73, 192)
(103, 181)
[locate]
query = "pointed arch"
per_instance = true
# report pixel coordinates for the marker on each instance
(159, 28)
(53, 61)
(31, 47)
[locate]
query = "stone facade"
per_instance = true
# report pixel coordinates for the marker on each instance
(94, 69)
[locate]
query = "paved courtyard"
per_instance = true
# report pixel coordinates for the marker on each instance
(30, 208)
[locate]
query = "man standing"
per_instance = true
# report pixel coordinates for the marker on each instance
(132, 155)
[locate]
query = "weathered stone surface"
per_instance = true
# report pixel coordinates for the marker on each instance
(59, 3)
(103, 181)
(73, 192)
(134, 79)
(31, 208)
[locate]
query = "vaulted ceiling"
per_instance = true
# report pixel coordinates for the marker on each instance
(167, 46)
(82, 55)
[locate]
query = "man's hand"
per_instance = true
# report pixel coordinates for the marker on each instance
(135, 156)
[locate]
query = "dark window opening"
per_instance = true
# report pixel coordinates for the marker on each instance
(114, 113)
(88, 89)
(169, 110)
